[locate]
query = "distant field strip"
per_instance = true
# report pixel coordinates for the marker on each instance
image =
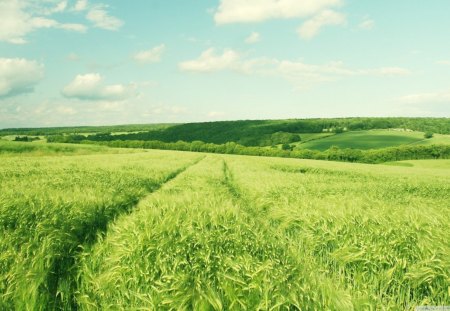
(50, 207)
(373, 139)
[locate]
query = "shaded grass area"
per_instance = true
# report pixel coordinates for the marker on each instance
(436, 139)
(50, 207)
(373, 139)
(432, 164)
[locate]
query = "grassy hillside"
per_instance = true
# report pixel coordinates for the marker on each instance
(373, 139)
(171, 230)
(436, 139)
(265, 132)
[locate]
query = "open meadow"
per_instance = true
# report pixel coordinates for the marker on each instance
(97, 228)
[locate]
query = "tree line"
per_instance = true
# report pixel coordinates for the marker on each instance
(372, 156)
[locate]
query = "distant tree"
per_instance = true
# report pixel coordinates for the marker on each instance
(294, 138)
(428, 135)
(286, 147)
(26, 138)
(19, 138)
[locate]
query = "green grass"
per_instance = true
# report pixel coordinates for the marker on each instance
(435, 140)
(52, 207)
(182, 231)
(12, 148)
(306, 137)
(313, 136)
(372, 139)
(432, 164)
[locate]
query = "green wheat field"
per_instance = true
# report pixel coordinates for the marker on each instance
(86, 227)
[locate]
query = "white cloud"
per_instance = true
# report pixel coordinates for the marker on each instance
(443, 62)
(312, 27)
(90, 87)
(65, 110)
(254, 37)
(18, 76)
(209, 61)
(58, 8)
(427, 104)
(72, 27)
(392, 71)
(81, 5)
(367, 24)
(73, 57)
(245, 11)
(215, 114)
(14, 23)
(101, 19)
(427, 98)
(18, 18)
(153, 55)
(166, 110)
(297, 72)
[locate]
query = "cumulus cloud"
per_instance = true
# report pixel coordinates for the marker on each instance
(153, 55)
(209, 61)
(298, 72)
(19, 76)
(312, 27)
(245, 11)
(18, 18)
(100, 17)
(91, 87)
(254, 37)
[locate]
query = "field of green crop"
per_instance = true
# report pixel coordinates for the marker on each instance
(436, 139)
(9, 148)
(162, 230)
(372, 139)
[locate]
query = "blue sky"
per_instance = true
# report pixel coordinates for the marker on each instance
(78, 62)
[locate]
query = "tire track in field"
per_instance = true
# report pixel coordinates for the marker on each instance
(260, 214)
(66, 268)
(240, 198)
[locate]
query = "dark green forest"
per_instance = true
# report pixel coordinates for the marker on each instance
(44, 131)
